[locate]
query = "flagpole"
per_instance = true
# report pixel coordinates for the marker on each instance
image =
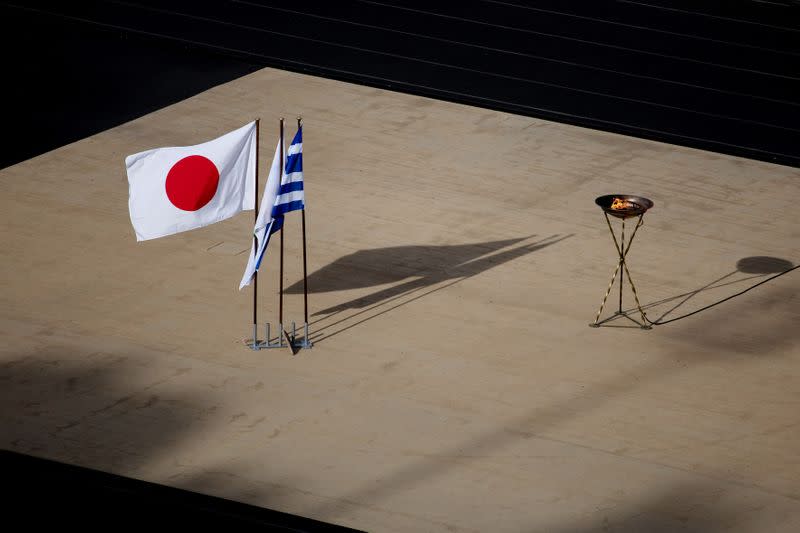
(255, 247)
(305, 269)
(280, 291)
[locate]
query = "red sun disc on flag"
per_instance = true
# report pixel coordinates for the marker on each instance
(192, 182)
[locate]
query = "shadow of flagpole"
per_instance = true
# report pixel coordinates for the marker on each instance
(453, 275)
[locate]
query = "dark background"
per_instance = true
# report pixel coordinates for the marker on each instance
(719, 75)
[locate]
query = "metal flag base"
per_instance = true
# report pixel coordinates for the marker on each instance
(284, 339)
(622, 269)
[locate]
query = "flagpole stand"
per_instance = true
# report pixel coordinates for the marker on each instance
(305, 341)
(299, 343)
(278, 343)
(256, 345)
(284, 339)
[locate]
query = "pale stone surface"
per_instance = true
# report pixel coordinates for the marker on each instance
(456, 259)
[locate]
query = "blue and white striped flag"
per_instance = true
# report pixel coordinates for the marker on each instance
(287, 197)
(291, 196)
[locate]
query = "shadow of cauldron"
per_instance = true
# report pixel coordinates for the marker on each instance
(763, 265)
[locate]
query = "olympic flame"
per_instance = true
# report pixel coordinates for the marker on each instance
(620, 204)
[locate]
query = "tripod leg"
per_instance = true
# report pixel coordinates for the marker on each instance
(622, 261)
(645, 323)
(610, 285)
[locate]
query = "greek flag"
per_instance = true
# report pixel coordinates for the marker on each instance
(277, 201)
(291, 196)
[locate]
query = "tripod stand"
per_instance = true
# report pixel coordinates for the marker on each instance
(623, 207)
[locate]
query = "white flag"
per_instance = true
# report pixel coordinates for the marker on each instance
(265, 224)
(187, 187)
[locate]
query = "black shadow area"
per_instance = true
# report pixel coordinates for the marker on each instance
(43, 493)
(105, 411)
(687, 507)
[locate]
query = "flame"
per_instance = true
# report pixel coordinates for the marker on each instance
(620, 204)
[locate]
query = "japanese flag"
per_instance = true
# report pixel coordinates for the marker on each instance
(187, 187)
